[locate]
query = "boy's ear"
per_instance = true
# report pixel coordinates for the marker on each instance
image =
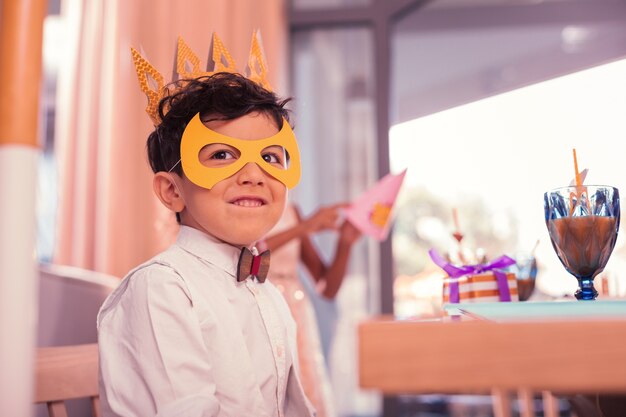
(166, 190)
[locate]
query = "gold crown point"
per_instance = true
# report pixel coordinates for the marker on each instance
(184, 55)
(222, 60)
(145, 69)
(257, 67)
(186, 58)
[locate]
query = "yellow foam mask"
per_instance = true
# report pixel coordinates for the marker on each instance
(196, 136)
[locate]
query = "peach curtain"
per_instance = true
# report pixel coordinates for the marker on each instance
(109, 219)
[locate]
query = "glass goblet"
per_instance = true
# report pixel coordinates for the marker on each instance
(525, 269)
(583, 224)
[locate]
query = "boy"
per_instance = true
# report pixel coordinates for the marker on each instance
(195, 331)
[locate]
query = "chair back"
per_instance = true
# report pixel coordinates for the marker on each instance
(69, 300)
(65, 373)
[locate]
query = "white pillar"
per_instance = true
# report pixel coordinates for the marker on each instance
(18, 280)
(21, 31)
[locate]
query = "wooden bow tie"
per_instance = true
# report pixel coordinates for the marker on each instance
(251, 265)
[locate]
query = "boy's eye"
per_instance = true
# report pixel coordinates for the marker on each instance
(271, 158)
(274, 155)
(217, 154)
(222, 155)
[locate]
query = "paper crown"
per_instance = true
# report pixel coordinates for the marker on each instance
(188, 67)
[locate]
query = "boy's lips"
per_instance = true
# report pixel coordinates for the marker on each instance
(248, 201)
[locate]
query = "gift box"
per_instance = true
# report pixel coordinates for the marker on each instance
(476, 283)
(480, 287)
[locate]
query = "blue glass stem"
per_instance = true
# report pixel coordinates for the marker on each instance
(585, 290)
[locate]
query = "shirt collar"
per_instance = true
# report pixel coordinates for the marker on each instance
(209, 248)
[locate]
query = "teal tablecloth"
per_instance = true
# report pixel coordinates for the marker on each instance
(522, 311)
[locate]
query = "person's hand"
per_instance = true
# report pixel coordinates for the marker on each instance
(324, 219)
(348, 233)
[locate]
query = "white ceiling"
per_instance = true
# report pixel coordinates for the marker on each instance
(455, 51)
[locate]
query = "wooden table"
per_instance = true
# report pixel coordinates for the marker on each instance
(466, 351)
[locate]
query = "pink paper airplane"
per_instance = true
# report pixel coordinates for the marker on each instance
(371, 212)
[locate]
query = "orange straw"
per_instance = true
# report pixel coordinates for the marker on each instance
(578, 181)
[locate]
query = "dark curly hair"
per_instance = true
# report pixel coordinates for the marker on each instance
(223, 96)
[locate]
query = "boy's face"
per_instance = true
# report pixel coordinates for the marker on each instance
(242, 208)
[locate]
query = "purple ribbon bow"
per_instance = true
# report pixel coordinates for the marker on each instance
(458, 271)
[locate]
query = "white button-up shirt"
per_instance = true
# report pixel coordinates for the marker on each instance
(181, 337)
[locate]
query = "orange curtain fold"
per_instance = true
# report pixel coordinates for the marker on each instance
(109, 220)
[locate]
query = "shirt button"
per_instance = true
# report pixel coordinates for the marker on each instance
(279, 351)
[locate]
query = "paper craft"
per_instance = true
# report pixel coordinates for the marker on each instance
(188, 66)
(196, 135)
(372, 211)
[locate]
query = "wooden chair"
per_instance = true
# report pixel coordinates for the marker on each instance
(525, 398)
(65, 373)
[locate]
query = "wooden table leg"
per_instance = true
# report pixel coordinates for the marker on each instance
(501, 402)
(526, 402)
(550, 404)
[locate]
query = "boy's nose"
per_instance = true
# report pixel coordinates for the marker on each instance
(251, 173)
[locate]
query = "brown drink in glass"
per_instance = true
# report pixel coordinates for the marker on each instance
(583, 224)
